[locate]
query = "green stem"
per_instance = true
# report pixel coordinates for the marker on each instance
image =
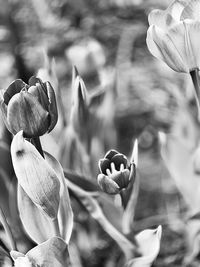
(195, 79)
(37, 144)
(7, 230)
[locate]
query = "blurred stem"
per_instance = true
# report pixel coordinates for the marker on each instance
(195, 79)
(37, 144)
(127, 246)
(7, 230)
(94, 209)
(56, 227)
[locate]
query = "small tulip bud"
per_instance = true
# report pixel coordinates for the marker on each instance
(35, 175)
(31, 108)
(115, 173)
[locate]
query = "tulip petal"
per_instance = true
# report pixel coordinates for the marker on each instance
(185, 36)
(108, 185)
(65, 213)
(52, 108)
(176, 8)
(191, 11)
(118, 160)
(168, 17)
(35, 222)
(169, 46)
(35, 175)
(121, 178)
(110, 154)
(15, 87)
(192, 32)
(126, 195)
(33, 80)
(25, 113)
(40, 94)
(104, 164)
(161, 19)
(53, 252)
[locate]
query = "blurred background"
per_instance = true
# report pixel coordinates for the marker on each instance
(105, 40)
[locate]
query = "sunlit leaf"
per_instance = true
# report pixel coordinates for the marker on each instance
(53, 252)
(36, 224)
(65, 214)
(148, 246)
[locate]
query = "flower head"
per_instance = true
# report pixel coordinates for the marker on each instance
(115, 172)
(173, 35)
(29, 107)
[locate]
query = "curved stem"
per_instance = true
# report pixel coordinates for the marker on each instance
(195, 79)
(7, 230)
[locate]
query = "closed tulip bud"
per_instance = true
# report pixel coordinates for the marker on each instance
(31, 108)
(35, 175)
(115, 173)
(80, 117)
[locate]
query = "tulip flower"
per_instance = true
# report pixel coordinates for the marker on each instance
(173, 35)
(35, 175)
(115, 173)
(29, 107)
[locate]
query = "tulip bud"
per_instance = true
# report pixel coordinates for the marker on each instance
(25, 112)
(35, 175)
(31, 108)
(80, 115)
(115, 173)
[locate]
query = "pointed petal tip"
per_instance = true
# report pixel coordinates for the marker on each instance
(134, 156)
(162, 137)
(75, 72)
(159, 231)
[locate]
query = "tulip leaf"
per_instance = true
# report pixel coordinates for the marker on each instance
(35, 175)
(5, 259)
(112, 212)
(53, 252)
(35, 222)
(65, 213)
(129, 211)
(94, 209)
(81, 181)
(148, 246)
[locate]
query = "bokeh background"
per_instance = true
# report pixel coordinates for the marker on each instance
(105, 39)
